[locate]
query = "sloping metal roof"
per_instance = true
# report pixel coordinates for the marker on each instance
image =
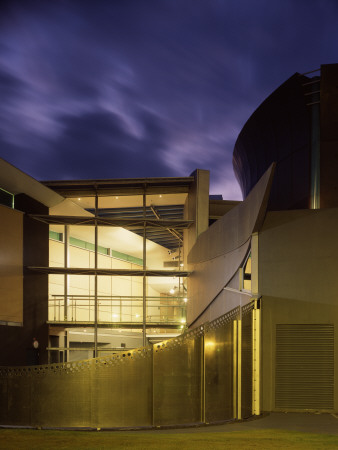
(164, 229)
(168, 233)
(164, 224)
(17, 182)
(123, 186)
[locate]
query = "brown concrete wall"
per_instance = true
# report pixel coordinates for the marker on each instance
(298, 255)
(197, 209)
(298, 281)
(18, 340)
(11, 265)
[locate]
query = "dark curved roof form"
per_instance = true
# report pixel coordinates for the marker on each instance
(278, 131)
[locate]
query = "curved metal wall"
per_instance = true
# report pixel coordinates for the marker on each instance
(190, 379)
(178, 379)
(278, 131)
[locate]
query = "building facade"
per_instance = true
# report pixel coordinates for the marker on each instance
(247, 290)
(100, 264)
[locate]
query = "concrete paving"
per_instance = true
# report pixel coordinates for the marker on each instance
(303, 422)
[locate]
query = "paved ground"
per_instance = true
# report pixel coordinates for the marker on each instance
(303, 422)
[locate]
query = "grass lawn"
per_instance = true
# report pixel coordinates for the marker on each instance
(260, 439)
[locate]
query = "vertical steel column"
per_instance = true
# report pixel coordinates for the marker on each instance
(180, 283)
(235, 374)
(256, 357)
(95, 286)
(144, 318)
(239, 368)
(203, 377)
(65, 288)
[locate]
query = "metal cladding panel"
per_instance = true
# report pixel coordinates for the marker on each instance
(304, 366)
(246, 374)
(62, 399)
(54, 395)
(122, 394)
(178, 380)
(18, 401)
(218, 351)
(278, 131)
(3, 398)
(108, 392)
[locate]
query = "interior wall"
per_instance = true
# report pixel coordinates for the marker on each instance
(111, 286)
(80, 284)
(297, 280)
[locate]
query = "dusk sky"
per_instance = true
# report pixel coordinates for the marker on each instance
(144, 88)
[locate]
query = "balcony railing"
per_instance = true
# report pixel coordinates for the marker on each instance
(116, 309)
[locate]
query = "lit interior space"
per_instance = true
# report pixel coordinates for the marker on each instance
(102, 251)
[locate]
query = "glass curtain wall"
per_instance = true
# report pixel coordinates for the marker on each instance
(127, 242)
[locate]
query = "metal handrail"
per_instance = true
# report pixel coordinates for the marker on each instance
(116, 309)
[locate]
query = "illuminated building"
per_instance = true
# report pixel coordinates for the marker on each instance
(259, 276)
(103, 262)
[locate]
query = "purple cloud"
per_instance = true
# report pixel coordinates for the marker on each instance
(125, 89)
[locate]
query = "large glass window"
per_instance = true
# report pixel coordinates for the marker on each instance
(124, 292)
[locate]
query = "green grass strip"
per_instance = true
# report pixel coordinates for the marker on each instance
(195, 439)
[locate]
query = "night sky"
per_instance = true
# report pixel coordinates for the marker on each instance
(142, 88)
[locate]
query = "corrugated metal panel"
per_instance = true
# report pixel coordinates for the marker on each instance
(304, 366)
